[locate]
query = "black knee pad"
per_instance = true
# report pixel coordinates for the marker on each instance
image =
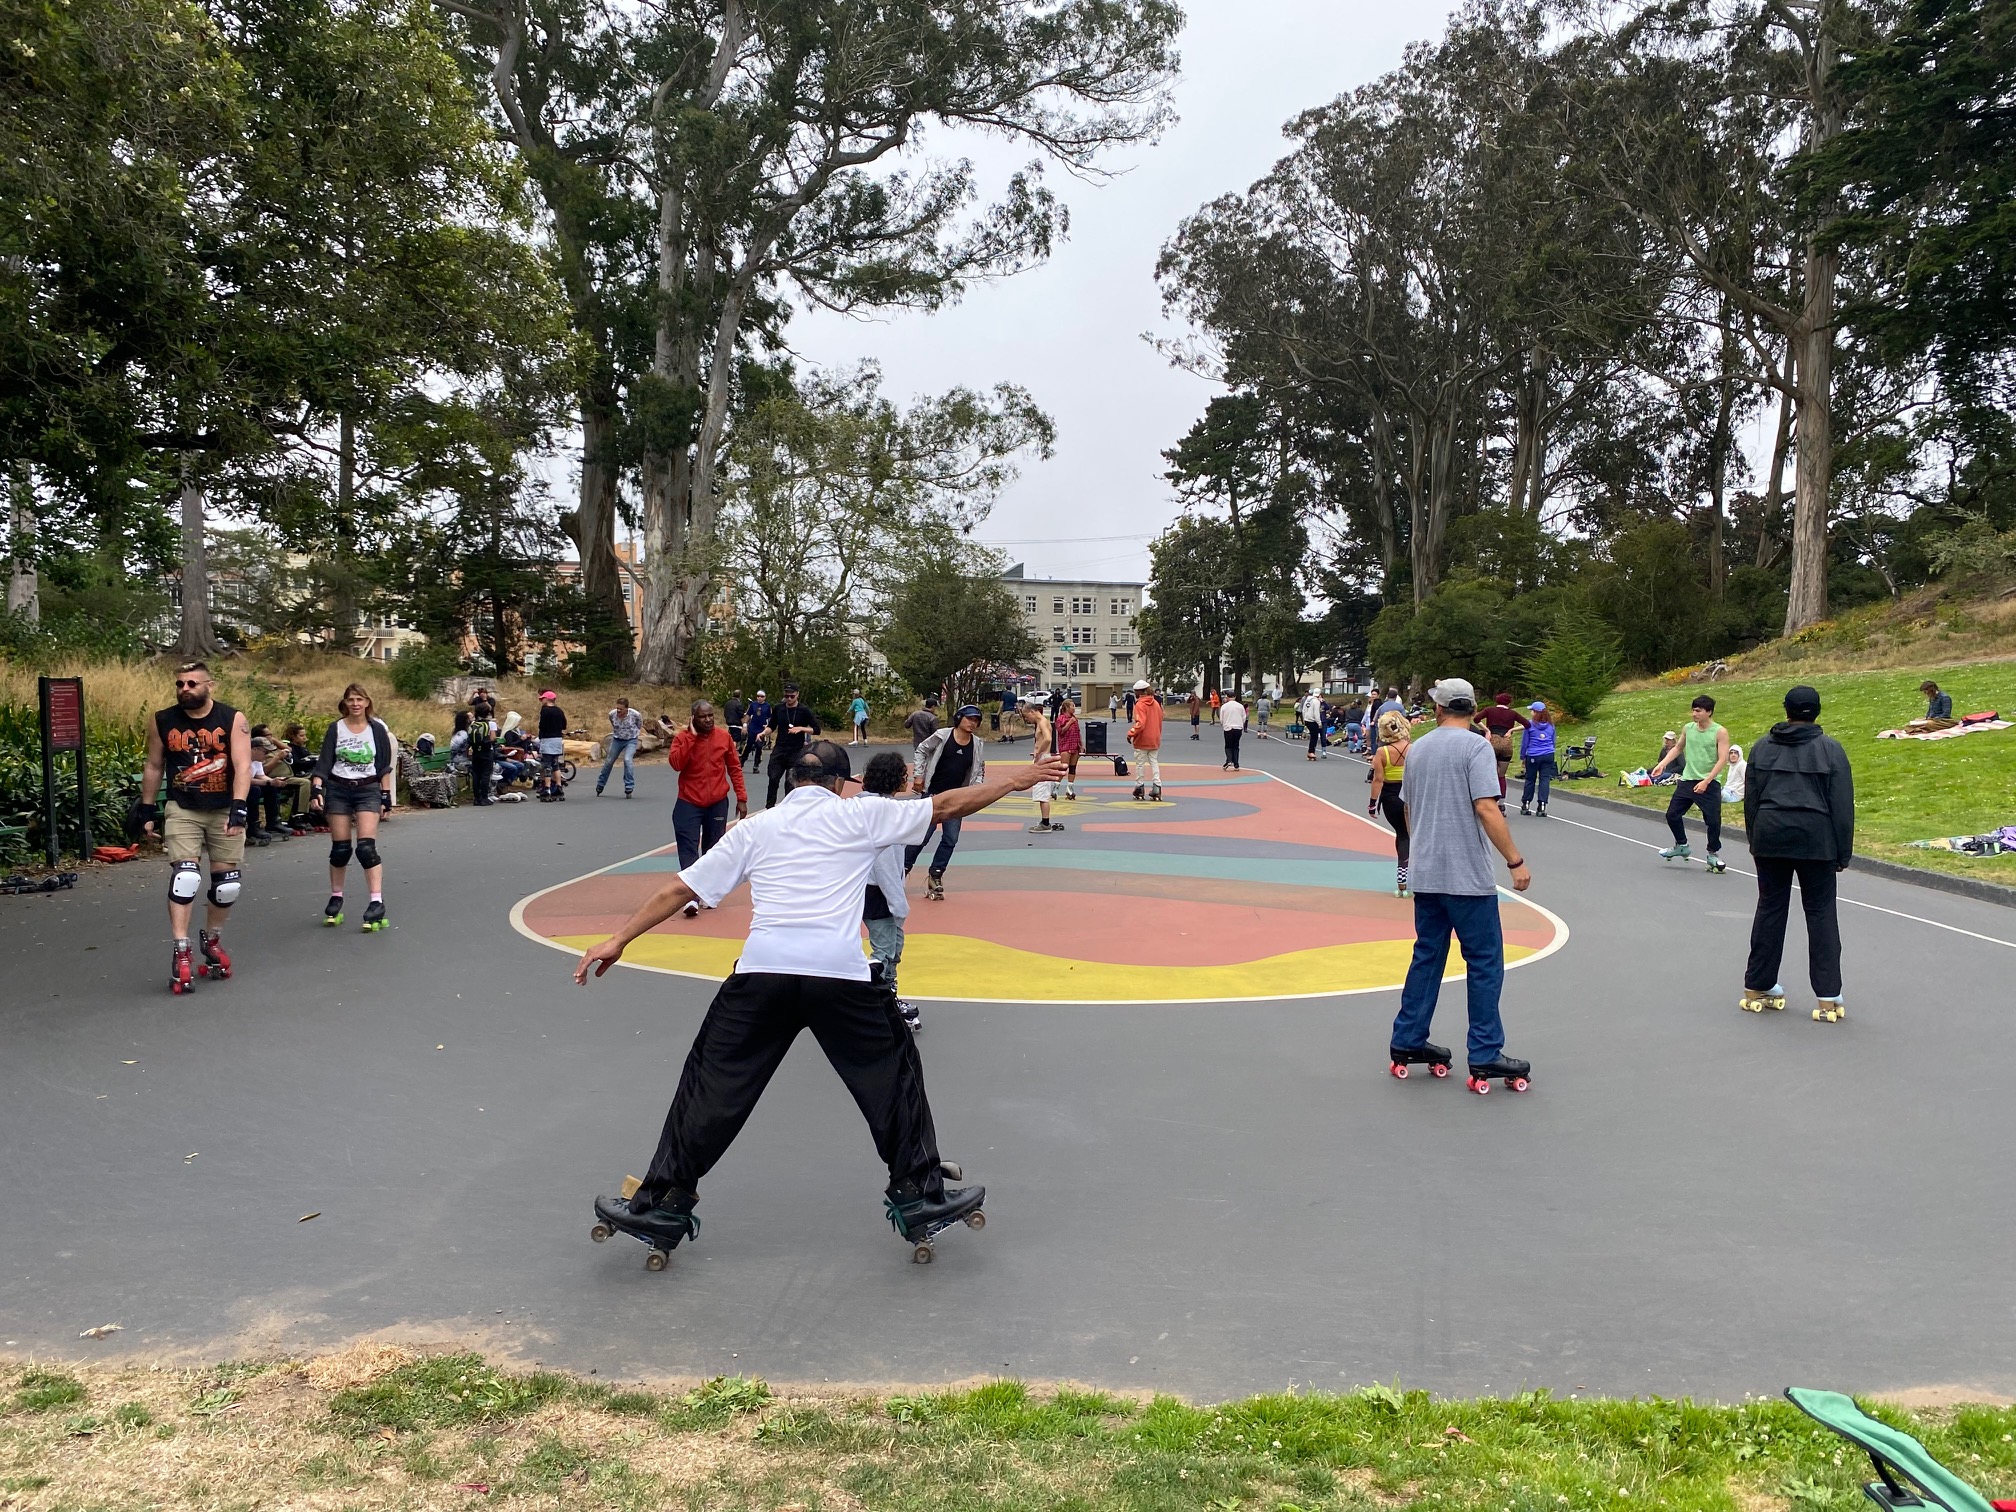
(339, 853)
(224, 887)
(185, 881)
(367, 852)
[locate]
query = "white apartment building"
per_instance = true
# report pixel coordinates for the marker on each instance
(1085, 627)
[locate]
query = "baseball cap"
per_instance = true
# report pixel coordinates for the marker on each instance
(1802, 701)
(548, 693)
(790, 687)
(968, 711)
(1452, 690)
(1536, 707)
(1140, 685)
(761, 694)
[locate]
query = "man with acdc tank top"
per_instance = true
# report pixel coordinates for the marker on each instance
(199, 765)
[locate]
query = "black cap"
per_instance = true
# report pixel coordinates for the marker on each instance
(1802, 703)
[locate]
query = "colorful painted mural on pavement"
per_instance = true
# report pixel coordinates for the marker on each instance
(1236, 887)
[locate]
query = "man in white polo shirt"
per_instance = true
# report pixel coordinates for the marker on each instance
(807, 862)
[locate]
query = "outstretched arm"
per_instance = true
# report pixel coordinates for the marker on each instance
(957, 803)
(657, 908)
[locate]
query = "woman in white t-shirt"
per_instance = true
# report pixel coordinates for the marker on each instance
(352, 787)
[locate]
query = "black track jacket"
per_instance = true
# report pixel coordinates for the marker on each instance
(1799, 801)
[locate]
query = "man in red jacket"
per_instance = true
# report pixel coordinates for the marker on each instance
(708, 763)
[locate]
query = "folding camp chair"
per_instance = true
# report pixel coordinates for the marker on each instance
(1910, 1477)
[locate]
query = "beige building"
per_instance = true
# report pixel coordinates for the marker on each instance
(1086, 630)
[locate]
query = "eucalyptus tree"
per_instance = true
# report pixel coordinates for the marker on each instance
(778, 142)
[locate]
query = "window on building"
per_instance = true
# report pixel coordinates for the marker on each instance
(1084, 666)
(1084, 635)
(1029, 603)
(1057, 634)
(626, 590)
(1123, 666)
(1057, 605)
(1084, 606)
(1057, 666)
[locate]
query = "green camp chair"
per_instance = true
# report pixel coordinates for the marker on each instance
(1910, 1476)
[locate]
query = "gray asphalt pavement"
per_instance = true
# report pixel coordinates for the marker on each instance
(1202, 1199)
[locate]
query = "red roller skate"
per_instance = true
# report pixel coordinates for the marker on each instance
(216, 961)
(182, 971)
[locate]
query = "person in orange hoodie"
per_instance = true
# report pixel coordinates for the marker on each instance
(708, 763)
(1145, 735)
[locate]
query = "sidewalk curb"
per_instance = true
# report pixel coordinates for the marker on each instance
(1966, 887)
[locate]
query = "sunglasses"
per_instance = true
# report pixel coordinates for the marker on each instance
(194, 682)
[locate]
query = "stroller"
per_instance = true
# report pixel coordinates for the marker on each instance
(1910, 1477)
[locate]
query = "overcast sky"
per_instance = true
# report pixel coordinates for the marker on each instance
(1070, 331)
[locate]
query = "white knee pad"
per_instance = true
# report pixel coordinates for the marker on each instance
(185, 881)
(224, 887)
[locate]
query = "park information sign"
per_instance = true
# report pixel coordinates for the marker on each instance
(63, 730)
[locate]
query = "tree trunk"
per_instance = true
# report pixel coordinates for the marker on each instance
(592, 527)
(1536, 478)
(1774, 486)
(1806, 603)
(1813, 475)
(24, 586)
(197, 641)
(343, 613)
(1718, 459)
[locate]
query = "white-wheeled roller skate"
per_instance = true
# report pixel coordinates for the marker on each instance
(1155, 793)
(934, 886)
(1716, 865)
(1140, 792)
(1757, 1002)
(1830, 1011)
(1675, 853)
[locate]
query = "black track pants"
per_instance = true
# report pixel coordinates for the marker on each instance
(750, 1025)
(1767, 931)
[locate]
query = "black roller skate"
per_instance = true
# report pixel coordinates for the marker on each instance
(1155, 793)
(374, 916)
(934, 886)
(182, 970)
(216, 961)
(1516, 1074)
(332, 912)
(1434, 1057)
(663, 1223)
(920, 1218)
(1140, 792)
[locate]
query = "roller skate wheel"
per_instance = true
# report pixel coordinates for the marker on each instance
(1399, 1072)
(1481, 1088)
(1517, 1083)
(1438, 1071)
(600, 1232)
(204, 970)
(923, 1254)
(656, 1260)
(976, 1220)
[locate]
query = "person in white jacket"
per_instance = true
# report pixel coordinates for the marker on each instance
(884, 904)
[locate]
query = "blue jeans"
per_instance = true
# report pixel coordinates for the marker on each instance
(1539, 769)
(1474, 921)
(627, 749)
(948, 841)
(697, 829)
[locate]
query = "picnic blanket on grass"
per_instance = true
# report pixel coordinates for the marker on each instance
(1972, 724)
(1994, 843)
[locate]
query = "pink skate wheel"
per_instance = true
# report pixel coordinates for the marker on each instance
(1481, 1088)
(1518, 1084)
(1399, 1071)
(1439, 1071)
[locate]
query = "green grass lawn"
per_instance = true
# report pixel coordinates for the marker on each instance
(451, 1431)
(1905, 790)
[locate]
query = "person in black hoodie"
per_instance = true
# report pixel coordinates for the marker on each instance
(1799, 812)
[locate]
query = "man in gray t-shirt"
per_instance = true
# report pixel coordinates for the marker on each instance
(1454, 821)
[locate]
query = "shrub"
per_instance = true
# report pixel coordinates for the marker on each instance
(1578, 666)
(420, 667)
